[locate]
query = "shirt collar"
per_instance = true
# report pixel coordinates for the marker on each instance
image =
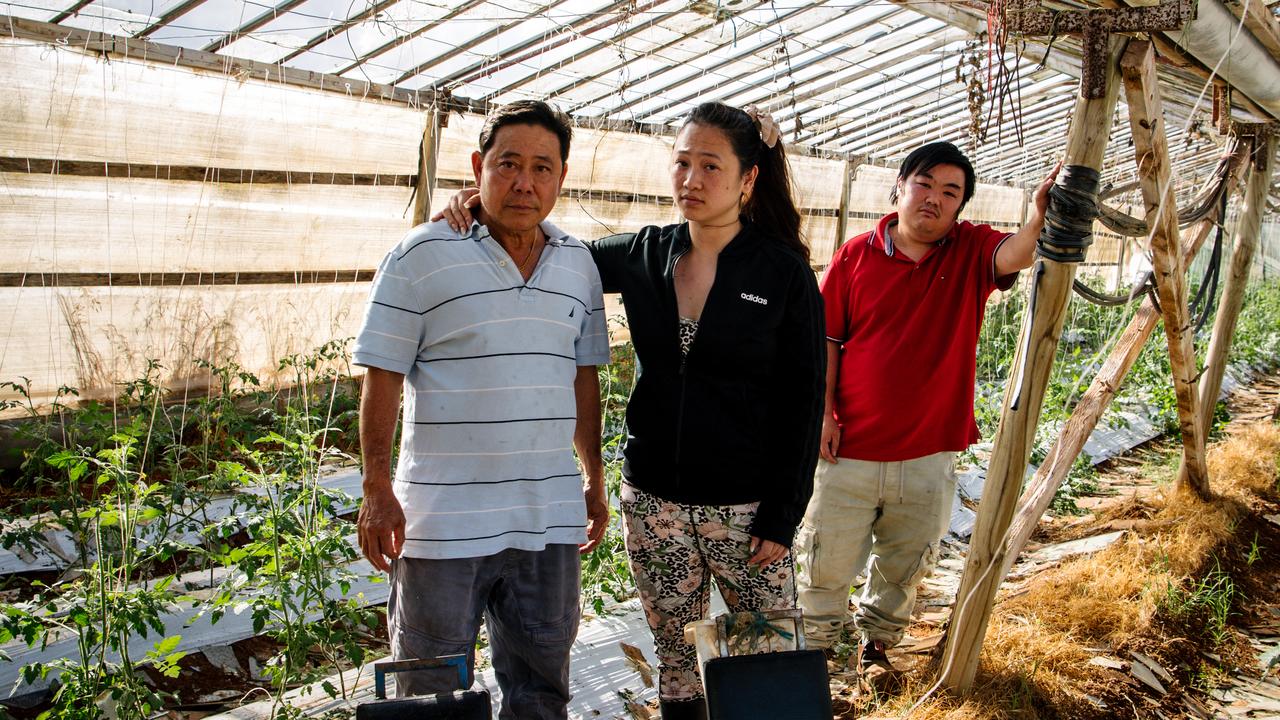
(554, 235)
(881, 234)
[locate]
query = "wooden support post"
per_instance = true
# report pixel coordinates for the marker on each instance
(846, 189)
(428, 152)
(1224, 325)
(1146, 118)
(1084, 418)
(1047, 310)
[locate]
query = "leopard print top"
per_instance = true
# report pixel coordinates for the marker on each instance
(688, 328)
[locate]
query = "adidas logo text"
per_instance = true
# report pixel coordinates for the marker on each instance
(755, 298)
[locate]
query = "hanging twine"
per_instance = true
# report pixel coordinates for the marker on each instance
(1068, 223)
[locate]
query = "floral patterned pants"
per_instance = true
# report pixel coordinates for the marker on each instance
(675, 550)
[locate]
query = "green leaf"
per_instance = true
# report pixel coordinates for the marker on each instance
(77, 470)
(62, 458)
(168, 644)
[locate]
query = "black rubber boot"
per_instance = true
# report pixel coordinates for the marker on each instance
(683, 709)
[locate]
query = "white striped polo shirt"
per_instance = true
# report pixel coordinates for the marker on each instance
(486, 453)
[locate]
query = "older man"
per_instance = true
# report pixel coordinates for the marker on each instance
(904, 304)
(494, 335)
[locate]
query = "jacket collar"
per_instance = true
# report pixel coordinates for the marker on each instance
(746, 238)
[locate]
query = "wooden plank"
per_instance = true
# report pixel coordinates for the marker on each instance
(1247, 236)
(1086, 144)
(1146, 118)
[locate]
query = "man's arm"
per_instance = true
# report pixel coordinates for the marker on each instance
(830, 443)
(586, 440)
(380, 523)
(1018, 252)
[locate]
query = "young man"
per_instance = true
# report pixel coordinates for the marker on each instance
(494, 335)
(904, 305)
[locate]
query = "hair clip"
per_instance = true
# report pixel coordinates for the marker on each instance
(769, 131)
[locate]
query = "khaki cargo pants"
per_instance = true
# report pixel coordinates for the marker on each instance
(886, 518)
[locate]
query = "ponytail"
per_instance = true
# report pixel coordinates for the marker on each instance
(771, 206)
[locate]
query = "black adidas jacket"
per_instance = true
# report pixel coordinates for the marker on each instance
(739, 420)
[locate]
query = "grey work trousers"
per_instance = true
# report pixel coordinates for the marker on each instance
(884, 517)
(530, 602)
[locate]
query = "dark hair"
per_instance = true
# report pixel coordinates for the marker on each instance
(527, 112)
(927, 157)
(770, 206)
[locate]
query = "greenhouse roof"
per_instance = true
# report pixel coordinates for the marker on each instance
(867, 79)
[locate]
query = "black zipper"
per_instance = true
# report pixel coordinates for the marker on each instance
(675, 303)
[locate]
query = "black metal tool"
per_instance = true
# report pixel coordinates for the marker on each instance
(458, 705)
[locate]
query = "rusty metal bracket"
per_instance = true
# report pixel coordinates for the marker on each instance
(1222, 107)
(1096, 25)
(1257, 135)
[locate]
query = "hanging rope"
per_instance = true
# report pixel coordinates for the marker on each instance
(1200, 207)
(1206, 294)
(1201, 306)
(1068, 223)
(1145, 286)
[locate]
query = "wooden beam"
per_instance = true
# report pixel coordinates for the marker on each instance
(428, 151)
(1259, 20)
(263, 18)
(1033, 361)
(716, 50)
(138, 49)
(1096, 27)
(1247, 234)
(846, 189)
(465, 46)
(400, 37)
(173, 13)
(198, 173)
(336, 29)
(565, 34)
(1146, 118)
(184, 279)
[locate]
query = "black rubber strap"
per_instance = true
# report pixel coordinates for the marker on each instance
(1068, 223)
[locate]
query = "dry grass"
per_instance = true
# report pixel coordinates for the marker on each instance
(1035, 657)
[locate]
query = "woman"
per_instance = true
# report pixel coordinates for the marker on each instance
(723, 423)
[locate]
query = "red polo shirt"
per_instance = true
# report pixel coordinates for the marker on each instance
(909, 337)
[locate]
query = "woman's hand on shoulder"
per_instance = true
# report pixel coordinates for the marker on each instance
(458, 212)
